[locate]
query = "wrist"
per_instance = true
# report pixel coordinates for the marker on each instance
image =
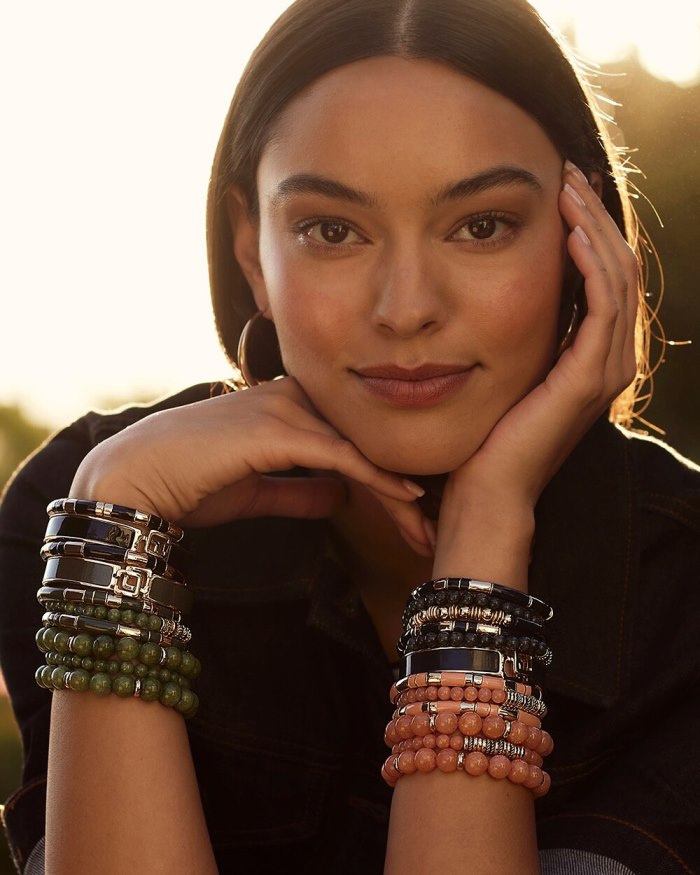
(486, 544)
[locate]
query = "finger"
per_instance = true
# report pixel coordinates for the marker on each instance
(410, 521)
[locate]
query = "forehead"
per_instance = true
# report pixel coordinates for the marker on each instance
(411, 120)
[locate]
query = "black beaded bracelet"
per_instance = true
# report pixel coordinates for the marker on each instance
(110, 553)
(476, 616)
(473, 635)
(152, 543)
(103, 510)
(138, 583)
(485, 588)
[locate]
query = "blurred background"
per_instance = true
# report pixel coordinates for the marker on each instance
(111, 116)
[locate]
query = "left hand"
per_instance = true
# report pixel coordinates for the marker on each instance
(505, 477)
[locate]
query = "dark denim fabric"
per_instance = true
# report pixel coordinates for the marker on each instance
(297, 788)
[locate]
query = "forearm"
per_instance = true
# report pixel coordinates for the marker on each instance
(456, 823)
(122, 791)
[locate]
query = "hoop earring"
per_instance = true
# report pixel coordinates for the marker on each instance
(569, 333)
(259, 358)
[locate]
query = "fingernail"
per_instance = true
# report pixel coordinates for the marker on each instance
(413, 488)
(572, 168)
(430, 532)
(582, 234)
(574, 195)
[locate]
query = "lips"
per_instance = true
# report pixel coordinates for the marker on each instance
(423, 386)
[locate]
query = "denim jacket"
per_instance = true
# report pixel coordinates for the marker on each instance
(297, 788)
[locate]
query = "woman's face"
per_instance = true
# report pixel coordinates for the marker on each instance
(409, 220)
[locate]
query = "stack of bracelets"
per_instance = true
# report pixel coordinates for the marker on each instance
(470, 690)
(114, 594)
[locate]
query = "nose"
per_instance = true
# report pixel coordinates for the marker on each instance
(408, 296)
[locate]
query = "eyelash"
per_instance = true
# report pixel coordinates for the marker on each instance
(512, 223)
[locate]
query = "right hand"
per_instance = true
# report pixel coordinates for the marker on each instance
(208, 463)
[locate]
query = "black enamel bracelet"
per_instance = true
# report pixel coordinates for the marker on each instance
(136, 583)
(179, 636)
(476, 660)
(103, 510)
(128, 537)
(112, 554)
(100, 598)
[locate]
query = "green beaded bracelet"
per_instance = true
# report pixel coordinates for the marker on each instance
(115, 666)
(150, 689)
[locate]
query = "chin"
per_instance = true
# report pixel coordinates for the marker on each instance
(408, 461)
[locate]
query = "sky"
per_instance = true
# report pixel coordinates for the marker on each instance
(111, 113)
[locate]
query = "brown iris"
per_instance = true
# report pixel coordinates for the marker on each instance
(482, 228)
(333, 232)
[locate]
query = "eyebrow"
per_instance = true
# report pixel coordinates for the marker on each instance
(502, 176)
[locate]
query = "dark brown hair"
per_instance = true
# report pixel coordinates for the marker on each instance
(502, 43)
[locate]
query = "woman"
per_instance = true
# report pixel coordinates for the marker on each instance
(417, 200)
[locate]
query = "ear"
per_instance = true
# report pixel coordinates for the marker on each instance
(245, 239)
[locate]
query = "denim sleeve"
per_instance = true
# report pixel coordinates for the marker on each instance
(566, 861)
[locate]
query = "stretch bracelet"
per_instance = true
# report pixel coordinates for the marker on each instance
(472, 614)
(459, 679)
(474, 763)
(97, 603)
(112, 554)
(483, 709)
(125, 686)
(487, 746)
(484, 590)
(80, 623)
(168, 630)
(51, 638)
(112, 667)
(137, 583)
(458, 633)
(510, 699)
(469, 724)
(66, 527)
(102, 510)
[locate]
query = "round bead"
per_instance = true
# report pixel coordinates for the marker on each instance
(128, 617)
(476, 763)
(103, 646)
(88, 663)
(446, 760)
(173, 658)
(443, 693)
(403, 727)
(188, 701)
(442, 741)
(127, 648)
(50, 637)
(114, 615)
(446, 722)
(390, 736)
(457, 741)
(546, 745)
(140, 671)
(410, 697)
(170, 694)
(518, 732)
(544, 786)
(187, 664)
(192, 710)
(123, 685)
(149, 653)
(456, 694)
(471, 694)
(155, 623)
(419, 694)
(534, 779)
(498, 696)
(58, 677)
(141, 620)
(499, 767)
(534, 737)
(425, 760)
(430, 741)
(75, 661)
(470, 723)
(82, 644)
(60, 642)
(390, 769)
(164, 675)
(519, 771)
(39, 675)
(113, 666)
(421, 725)
(126, 667)
(406, 762)
(484, 694)
(101, 684)
(150, 689)
(493, 726)
(78, 680)
(416, 743)
(432, 694)
(101, 612)
(39, 638)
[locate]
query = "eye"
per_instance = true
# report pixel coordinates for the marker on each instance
(487, 229)
(328, 232)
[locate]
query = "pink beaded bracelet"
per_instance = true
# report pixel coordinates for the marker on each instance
(483, 709)
(458, 742)
(459, 679)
